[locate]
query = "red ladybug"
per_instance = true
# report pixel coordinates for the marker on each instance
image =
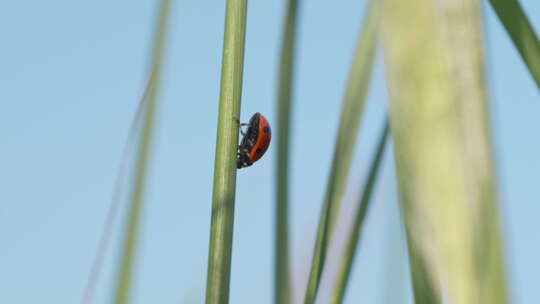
(255, 141)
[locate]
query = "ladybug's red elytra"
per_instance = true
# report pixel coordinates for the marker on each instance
(255, 141)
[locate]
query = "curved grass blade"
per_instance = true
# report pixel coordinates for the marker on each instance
(353, 237)
(351, 112)
(442, 150)
(114, 205)
(125, 273)
(221, 230)
(286, 67)
(521, 32)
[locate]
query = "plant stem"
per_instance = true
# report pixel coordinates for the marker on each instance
(286, 67)
(115, 203)
(521, 32)
(347, 259)
(221, 230)
(137, 197)
(351, 113)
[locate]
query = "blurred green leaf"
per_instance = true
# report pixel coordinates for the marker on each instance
(286, 67)
(351, 113)
(442, 150)
(353, 237)
(125, 273)
(114, 206)
(522, 33)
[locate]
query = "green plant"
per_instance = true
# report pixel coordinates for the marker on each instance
(221, 230)
(442, 147)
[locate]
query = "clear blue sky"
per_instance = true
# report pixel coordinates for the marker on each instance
(71, 74)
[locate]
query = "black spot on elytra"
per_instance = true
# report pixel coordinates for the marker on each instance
(259, 150)
(266, 129)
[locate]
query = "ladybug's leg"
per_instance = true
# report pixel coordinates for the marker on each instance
(240, 125)
(246, 162)
(242, 152)
(243, 125)
(242, 158)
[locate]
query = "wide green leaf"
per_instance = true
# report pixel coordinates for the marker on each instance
(440, 129)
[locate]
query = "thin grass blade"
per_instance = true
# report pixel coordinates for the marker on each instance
(351, 113)
(286, 70)
(442, 150)
(221, 230)
(521, 32)
(351, 244)
(125, 273)
(112, 214)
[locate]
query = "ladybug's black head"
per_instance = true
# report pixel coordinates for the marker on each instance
(254, 120)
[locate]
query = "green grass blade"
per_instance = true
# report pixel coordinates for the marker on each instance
(353, 237)
(425, 291)
(221, 230)
(351, 113)
(112, 214)
(521, 32)
(286, 67)
(132, 232)
(442, 150)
